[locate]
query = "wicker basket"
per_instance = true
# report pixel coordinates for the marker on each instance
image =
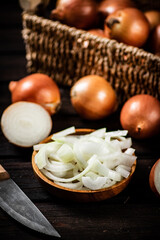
(66, 54)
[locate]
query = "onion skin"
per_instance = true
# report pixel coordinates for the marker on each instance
(153, 43)
(129, 26)
(38, 88)
(152, 177)
(97, 32)
(82, 14)
(93, 97)
(140, 115)
(153, 18)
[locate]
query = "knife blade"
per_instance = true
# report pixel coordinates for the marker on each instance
(16, 203)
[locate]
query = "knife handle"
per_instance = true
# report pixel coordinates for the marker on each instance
(4, 175)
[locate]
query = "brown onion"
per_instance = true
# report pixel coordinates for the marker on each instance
(81, 14)
(107, 7)
(93, 97)
(153, 17)
(38, 88)
(129, 26)
(98, 32)
(140, 115)
(153, 43)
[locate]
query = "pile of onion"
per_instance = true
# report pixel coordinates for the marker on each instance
(93, 97)
(76, 13)
(140, 115)
(25, 124)
(38, 88)
(86, 162)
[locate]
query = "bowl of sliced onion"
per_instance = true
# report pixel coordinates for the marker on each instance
(85, 165)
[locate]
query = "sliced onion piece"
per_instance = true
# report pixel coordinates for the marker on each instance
(94, 184)
(77, 185)
(42, 156)
(118, 133)
(25, 124)
(63, 133)
(99, 133)
(124, 173)
(65, 153)
(91, 163)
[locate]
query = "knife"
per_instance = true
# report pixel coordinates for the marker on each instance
(14, 201)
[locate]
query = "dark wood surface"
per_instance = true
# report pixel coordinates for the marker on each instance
(133, 214)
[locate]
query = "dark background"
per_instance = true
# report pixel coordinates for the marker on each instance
(133, 214)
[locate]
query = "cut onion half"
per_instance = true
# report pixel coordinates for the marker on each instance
(25, 124)
(154, 178)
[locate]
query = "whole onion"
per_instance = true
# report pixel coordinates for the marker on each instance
(153, 17)
(93, 97)
(38, 88)
(129, 26)
(153, 43)
(140, 115)
(82, 14)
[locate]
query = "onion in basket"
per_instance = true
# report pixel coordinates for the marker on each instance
(107, 7)
(92, 161)
(129, 26)
(76, 13)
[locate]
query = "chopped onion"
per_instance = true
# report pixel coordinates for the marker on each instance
(92, 161)
(63, 133)
(95, 184)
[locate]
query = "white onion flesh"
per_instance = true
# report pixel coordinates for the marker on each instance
(157, 177)
(25, 124)
(87, 162)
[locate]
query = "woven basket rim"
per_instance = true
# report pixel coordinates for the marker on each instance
(89, 36)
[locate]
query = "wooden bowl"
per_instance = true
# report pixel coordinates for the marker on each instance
(80, 195)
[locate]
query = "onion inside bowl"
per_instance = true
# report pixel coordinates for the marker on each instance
(86, 162)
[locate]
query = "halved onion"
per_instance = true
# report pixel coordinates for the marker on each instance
(25, 124)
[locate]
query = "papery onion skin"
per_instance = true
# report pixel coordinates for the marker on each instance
(140, 115)
(129, 26)
(81, 14)
(38, 88)
(93, 97)
(152, 177)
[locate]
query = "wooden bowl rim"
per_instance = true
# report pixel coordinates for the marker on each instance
(50, 182)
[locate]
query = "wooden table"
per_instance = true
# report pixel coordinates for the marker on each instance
(133, 214)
